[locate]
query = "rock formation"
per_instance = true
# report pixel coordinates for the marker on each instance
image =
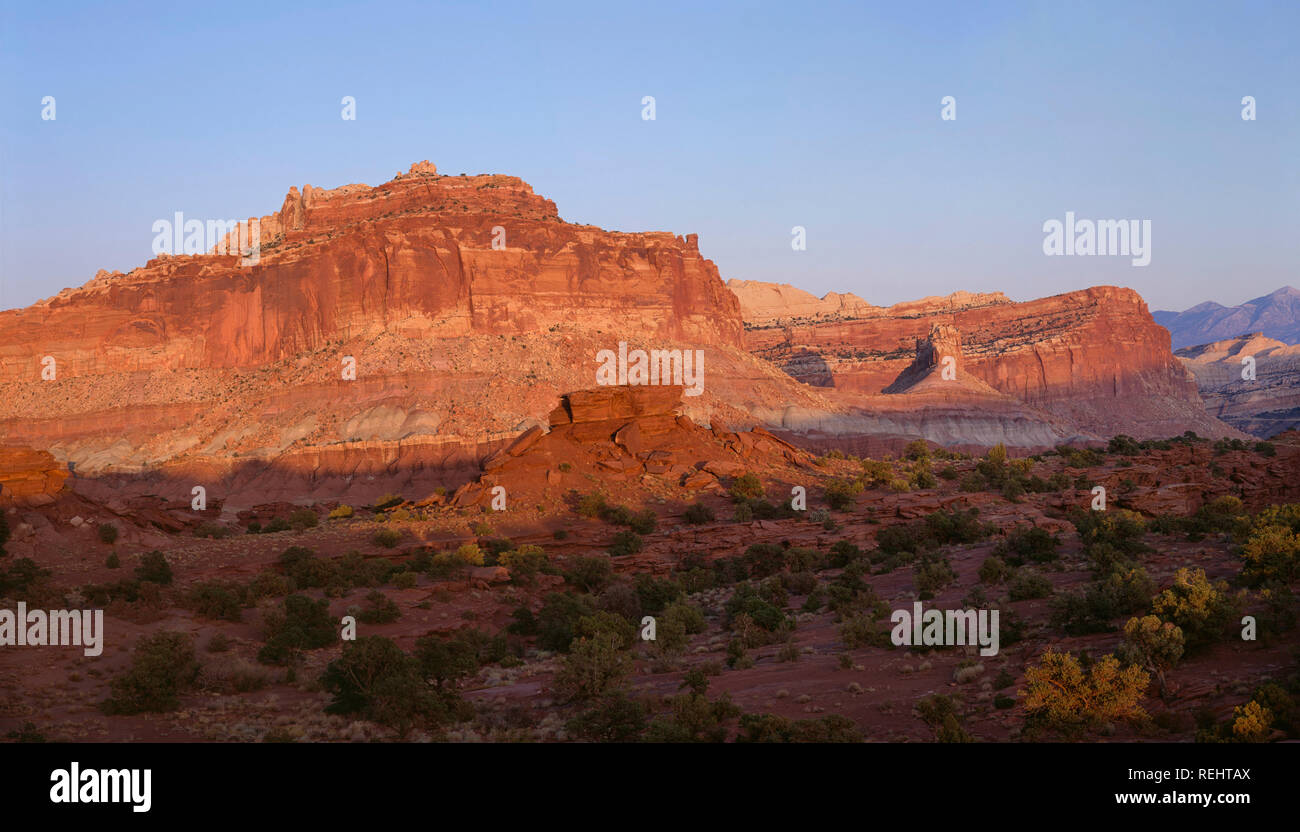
(410, 329)
(1263, 406)
(1093, 359)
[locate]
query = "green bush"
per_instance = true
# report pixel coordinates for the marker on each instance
(223, 600)
(940, 713)
(304, 624)
(698, 514)
(589, 574)
(380, 609)
(107, 533)
(1027, 543)
(163, 666)
(1027, 585)
(747, 486)
(594, 667)
(303, 518)
(778, 729)
(613, 718)
(386, 537)
(625, 543)
(154, 568)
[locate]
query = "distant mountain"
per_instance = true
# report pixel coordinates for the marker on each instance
(1277, 316)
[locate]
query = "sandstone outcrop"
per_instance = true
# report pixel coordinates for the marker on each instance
(28, 476)
(1263, 406)
(1093, 359)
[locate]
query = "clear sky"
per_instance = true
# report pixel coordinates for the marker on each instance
(768, 116)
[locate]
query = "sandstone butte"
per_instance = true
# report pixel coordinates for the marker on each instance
(1263, 406)
(202, 366)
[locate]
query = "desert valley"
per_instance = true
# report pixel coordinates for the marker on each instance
(373, 486)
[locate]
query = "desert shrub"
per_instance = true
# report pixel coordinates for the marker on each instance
(764, 559)
(589, 574)
(218, 599)
(1092, 610)
(746, 601)
(405, 580)
(1119, 528)
(769, 728)
(375, 679)
(655, 593)
(620, 598)
(743, 513)
(1027, 585)
(386, 537)
(747, 486)
(994, 570)
(212, 530)
(444, 661)
(594, 666)
(1251, 722)
(625, 543)
(688, 615)
(162, 667)
(698, 514)
(956, 526)
(932, 575)
(154, 568)
(940, 713)
(557, 621)
(380, 609)
(905, 537)
(644, 522)
(388, 501)
(1061, 695)
(840, 493)
(341, 512)
(590, 505)
(107, 533)
(219, 643)
(113, 561)
(1272, 552)
(798, 583)
(277, 524)
(1123, 445)
(303, 518)
(862, 631)
(1027, 543)
(612, 718)
(303, 624)
(605, 623)
(692, 716)
(1203, 610)
(524, 561)
(1153, 645)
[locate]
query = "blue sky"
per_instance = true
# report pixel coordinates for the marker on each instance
(823, 115)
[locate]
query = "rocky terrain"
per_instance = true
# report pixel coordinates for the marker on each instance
(1262, 406)
(526, 618)
(1275, 315)
(1085, 364)
(408, 329)
(371, 486)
